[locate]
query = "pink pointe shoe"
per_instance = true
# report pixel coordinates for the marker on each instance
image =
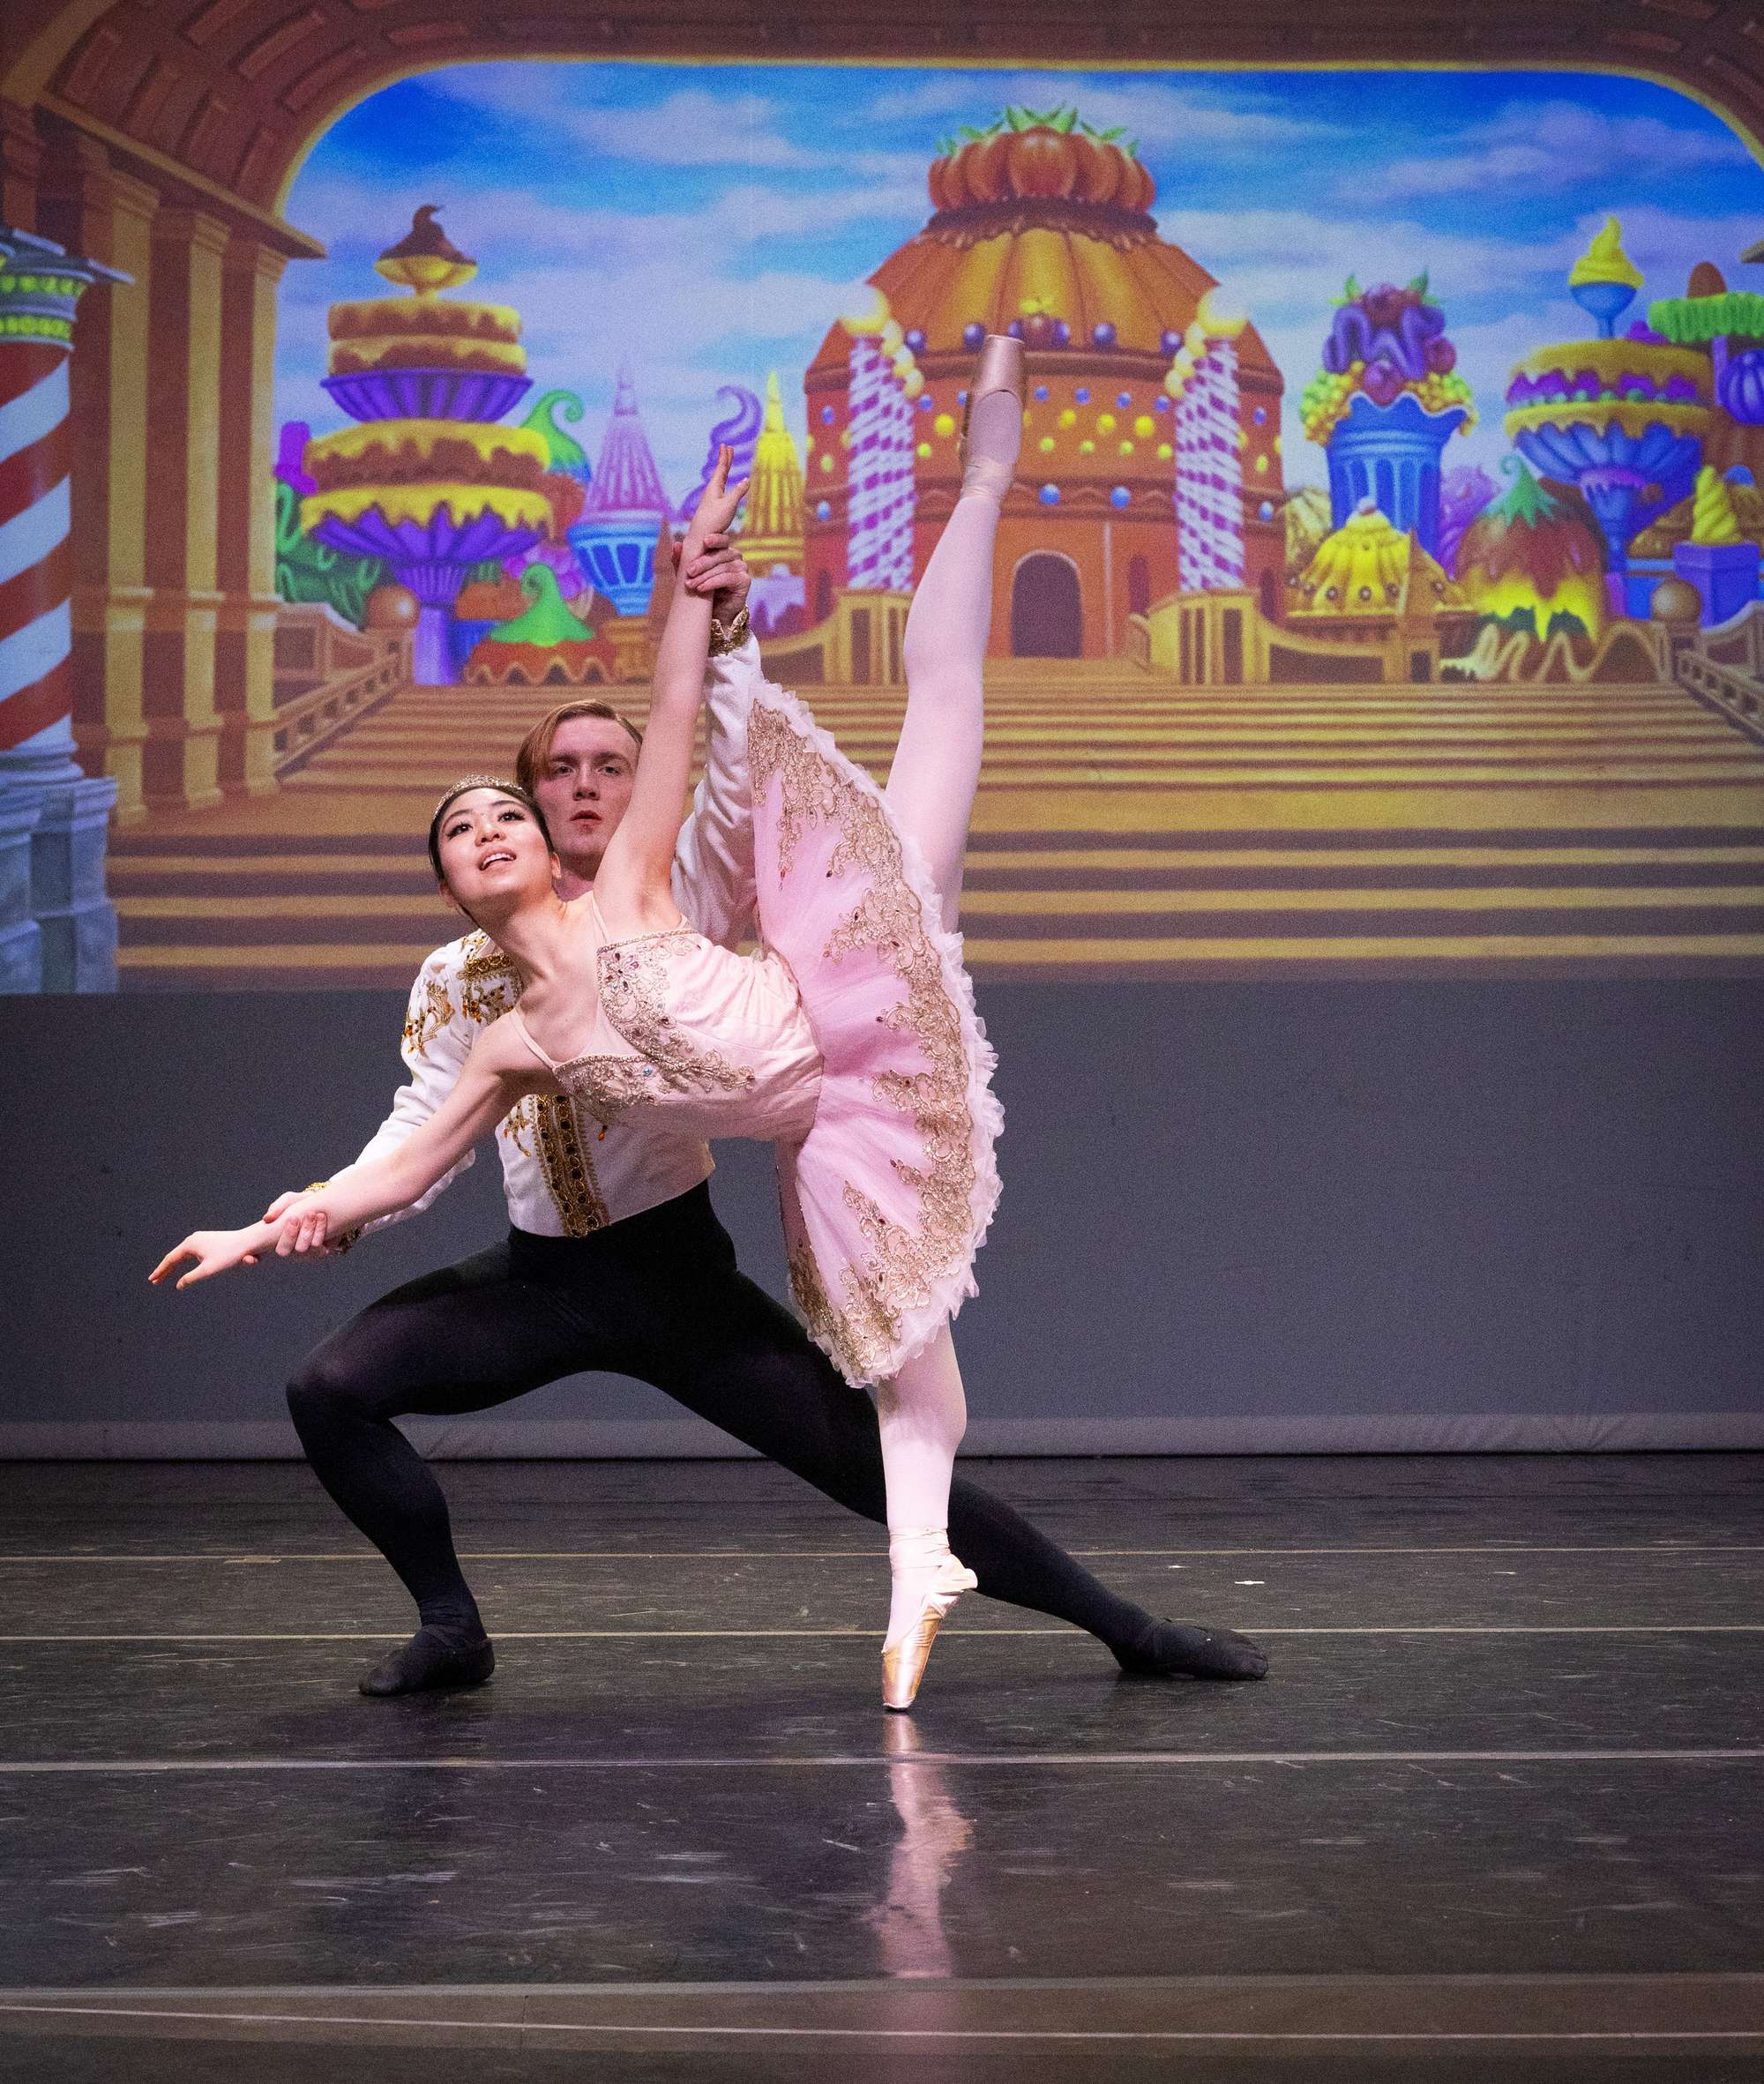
(903, 1659)
(999, 370)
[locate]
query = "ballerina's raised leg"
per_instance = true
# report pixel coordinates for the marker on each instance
(921, 1408)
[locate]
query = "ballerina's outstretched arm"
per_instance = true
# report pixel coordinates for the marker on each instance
(634, 887)
(494, 1076)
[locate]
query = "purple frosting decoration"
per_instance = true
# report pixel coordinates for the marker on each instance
(1353, 338)
(427, 393)
(290, 464)
(740, 431)
(1562, 387)
(431, 558)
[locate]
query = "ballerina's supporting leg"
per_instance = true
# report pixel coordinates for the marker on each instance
(922, 1411)
(921, 1414)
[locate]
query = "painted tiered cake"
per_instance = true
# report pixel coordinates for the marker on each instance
(417, 357)
(391, 332)
(426, 479)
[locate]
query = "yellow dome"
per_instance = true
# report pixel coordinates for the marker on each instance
(1369, 566)
(771, 530)
(1046, 229)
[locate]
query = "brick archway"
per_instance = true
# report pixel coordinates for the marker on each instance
(161, 136)
(233, 92)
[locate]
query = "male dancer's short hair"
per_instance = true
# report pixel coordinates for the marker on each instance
(535, 748)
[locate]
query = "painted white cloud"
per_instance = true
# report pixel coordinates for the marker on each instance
(694, 127)
(493, 224)
(1278, 261)
(1160, 115)
(567, 105)
(1550, 146)
(1665, 244)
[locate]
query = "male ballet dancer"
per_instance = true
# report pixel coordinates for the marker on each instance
(615, 1260)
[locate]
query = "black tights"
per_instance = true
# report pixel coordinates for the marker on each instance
(658, 1297)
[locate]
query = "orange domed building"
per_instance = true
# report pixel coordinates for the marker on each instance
(1151, 456)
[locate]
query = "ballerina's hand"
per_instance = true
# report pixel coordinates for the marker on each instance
(213, 1251)
(717, 506)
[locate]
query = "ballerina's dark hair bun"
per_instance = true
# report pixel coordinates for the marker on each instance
(464, 787)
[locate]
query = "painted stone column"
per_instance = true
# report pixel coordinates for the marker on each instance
(182, 752)
(93, 206)
(244, 659)
(52, 817)
(21, 163)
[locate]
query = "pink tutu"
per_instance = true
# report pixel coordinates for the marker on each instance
(888, 1197)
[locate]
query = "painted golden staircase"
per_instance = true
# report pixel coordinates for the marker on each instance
(1125, 826)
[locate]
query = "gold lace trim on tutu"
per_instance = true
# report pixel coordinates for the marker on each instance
(903, 1266)
(632, 976)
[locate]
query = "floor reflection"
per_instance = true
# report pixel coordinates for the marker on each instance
(908, 1921)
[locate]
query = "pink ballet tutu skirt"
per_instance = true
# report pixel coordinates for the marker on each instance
(887, 1198)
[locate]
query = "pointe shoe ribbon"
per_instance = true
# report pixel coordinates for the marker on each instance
(903, 1660)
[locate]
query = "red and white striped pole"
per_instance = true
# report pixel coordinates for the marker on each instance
(57, 927)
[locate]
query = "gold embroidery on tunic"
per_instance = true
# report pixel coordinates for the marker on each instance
(489, 982)
(519, 1122)
(811, 1297)
(482, 957)
(430, 1018)
(569, 1169)
(903, 1265)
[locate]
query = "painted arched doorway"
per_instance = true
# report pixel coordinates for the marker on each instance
(1047, 608)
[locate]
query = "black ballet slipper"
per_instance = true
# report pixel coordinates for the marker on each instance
(1168, 1652)
(434, 1660)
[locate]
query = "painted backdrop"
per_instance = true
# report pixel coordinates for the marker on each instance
(1380, 593)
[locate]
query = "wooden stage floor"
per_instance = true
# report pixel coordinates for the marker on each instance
(1495, 1815)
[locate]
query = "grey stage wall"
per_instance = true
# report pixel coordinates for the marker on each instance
(1315, 1216)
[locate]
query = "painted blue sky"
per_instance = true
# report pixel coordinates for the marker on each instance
(707, 222)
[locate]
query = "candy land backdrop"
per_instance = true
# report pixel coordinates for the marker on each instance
(1379, 594)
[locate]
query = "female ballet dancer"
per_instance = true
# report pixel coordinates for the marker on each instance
(851, 1041)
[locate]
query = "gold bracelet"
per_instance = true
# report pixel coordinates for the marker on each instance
(732, 638)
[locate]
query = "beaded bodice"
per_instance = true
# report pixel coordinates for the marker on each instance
(719, 1041)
